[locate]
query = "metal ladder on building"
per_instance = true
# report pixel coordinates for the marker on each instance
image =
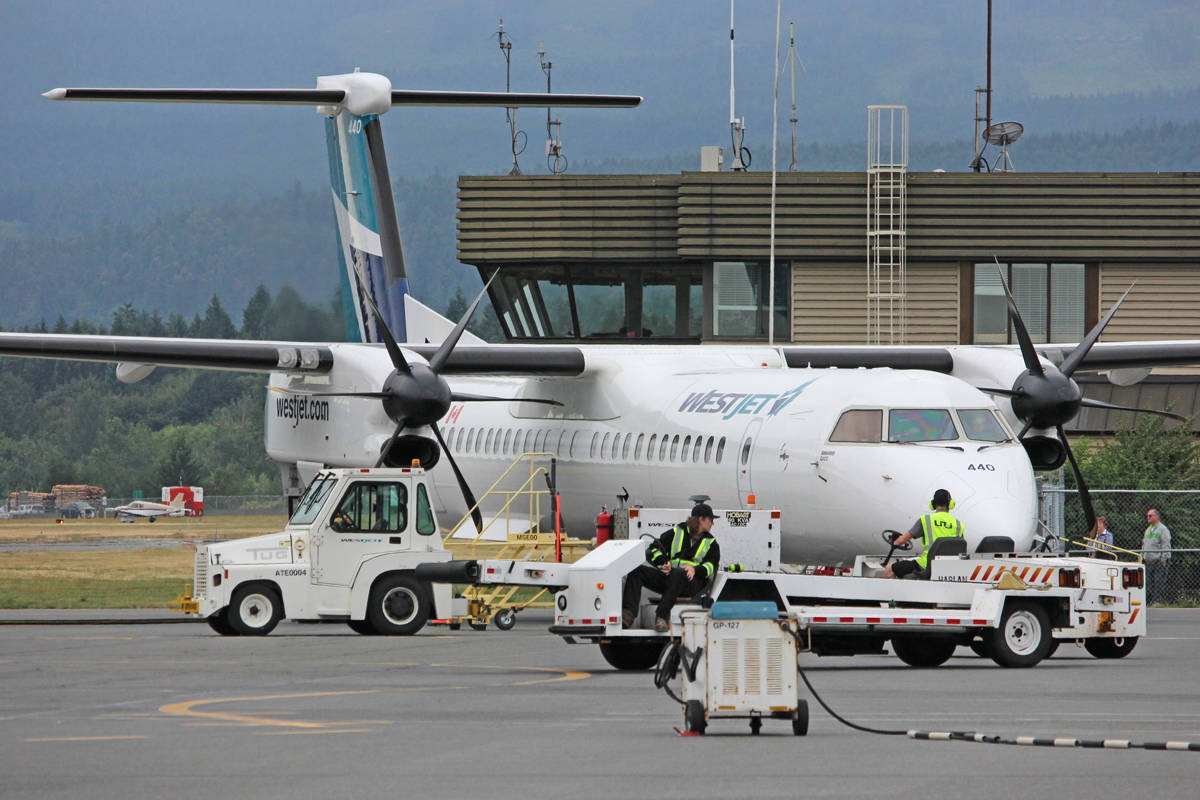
(887, 169)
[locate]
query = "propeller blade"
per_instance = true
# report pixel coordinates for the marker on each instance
(460, 397)
(1076, 356)
(383, 453)
(1027, 352)
(1024, 430)
(476, 515)
(1085, 496)
(389, 342)
(443, 352)
(307, 393)
(1101, 404)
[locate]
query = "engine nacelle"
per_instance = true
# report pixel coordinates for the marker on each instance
(1045, 452)
(411, 448)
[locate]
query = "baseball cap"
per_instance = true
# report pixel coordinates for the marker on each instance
(702, 510)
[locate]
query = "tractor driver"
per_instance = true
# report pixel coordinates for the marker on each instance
(930, 527)
(683, 560)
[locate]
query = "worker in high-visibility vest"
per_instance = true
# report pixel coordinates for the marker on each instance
(683, 560)
(930, 527)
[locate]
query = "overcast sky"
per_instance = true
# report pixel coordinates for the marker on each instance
(928, 55)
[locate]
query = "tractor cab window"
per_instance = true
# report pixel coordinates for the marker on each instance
(313, 499)
(377, 507)
(920, 425)
(858, 425)
(981, 425)
(425, 523)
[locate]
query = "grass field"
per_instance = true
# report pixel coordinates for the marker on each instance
(63, 577)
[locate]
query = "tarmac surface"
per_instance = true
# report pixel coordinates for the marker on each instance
(112, 705)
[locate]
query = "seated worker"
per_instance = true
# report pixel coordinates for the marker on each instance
(930, 528)
(684, 559)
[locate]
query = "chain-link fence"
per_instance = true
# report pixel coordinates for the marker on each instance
(1125, 510)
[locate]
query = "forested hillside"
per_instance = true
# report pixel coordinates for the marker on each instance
(71, 422)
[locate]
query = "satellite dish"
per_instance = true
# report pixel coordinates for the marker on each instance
(1003, 134)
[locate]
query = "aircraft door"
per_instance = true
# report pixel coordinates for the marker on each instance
(745, 458)
(372, 517)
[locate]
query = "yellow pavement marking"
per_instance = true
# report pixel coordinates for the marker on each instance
(187, 709)
(563, 674)
(81, 738)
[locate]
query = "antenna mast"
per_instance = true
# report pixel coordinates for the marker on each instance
(510, 113)
(737, 127)
(792, 63)
(556, 162)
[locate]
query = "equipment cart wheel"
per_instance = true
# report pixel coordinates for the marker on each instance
(800, 721)
(399, 605)
(693, 717)
(219, 622)
(477, 626)
(505, 619)
(254, 610)
(1023, 637)
(361, 626)
(925, 651)
(755, 726)
(1111, 648)
(982, 648)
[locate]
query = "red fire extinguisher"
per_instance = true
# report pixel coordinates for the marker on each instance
(604, 526)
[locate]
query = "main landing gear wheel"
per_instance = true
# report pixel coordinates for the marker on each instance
(929, 651)
(755, 726)
(1111, 648)
(506, 618)
(219, 622)
(254, 610)
(1023, 637)
(800, 721)
(693, 717)
(399, 605)
(631, 655)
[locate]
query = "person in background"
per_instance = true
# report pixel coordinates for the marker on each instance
(682, 561)
(930, 527)
(1156, 552)
(1103, 537)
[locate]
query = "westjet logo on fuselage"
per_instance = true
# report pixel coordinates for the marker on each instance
(297, 408)
(731, 403)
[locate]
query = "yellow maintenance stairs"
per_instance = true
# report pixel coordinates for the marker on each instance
(523, 540)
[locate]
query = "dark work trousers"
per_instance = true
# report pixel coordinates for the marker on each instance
(672, 586)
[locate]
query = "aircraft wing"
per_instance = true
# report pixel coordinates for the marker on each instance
(267, 356)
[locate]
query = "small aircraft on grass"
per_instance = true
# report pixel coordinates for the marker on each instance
(149, 510)
(846, 441)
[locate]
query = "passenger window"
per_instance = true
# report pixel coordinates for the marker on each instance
(662, 448)
(858, 425)
(380, 507)
(637, 448)
(471, 441)
(592, 449)
(674, 447)
(508, 437)
(625, 447)
(575, 441)
(650, 449)
(425, 524)
(687, 445)
(920, 425)
(746, 450)
(561, 436)
(708, 447)
(604, 445)
(981, 425)
(696, 451)
(720, 449)
(487, 447)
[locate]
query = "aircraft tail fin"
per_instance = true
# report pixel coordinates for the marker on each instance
(176, 501)
(426, 326)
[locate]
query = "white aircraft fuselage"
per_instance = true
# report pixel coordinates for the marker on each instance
(661, 424)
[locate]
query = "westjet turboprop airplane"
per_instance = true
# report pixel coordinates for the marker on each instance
(846, 441)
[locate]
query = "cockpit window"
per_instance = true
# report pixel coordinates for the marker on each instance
(858, 425)
(920, 425)
(981, 425)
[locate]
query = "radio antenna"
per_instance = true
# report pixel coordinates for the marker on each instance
(510, 112)
(737, 127)
(556, 161)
